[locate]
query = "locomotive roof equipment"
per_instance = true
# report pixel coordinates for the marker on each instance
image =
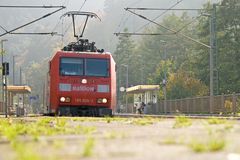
(82, 44)
(87, 14)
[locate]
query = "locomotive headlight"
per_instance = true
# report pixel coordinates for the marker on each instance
(65, 99)
(84, 81)
(104, 100)
(68, 99)
(62, 99)
(99, 100)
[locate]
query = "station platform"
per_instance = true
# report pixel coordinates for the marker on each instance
(12, 91)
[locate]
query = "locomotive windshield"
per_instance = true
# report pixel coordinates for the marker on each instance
(71, 66)
(87, 67)
(97, 67)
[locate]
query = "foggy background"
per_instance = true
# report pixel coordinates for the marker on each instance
(28, 49)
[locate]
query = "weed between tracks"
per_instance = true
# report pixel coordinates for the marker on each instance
(22, 134)
(214, 140)
(212, 144)
(88, 147)
(182, 121)
(216, 121)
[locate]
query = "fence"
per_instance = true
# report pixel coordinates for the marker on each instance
(222, 104)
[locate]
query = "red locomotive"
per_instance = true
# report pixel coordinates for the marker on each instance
(82, 81)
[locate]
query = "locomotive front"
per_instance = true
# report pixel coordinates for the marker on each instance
(82, 82)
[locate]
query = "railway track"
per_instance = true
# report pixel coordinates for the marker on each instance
(192, 116)
(167, 116)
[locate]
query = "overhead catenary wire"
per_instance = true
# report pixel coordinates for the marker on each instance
(69, 25)
(143, 34)
(39, 33)
(31, 22)
(65, 3)
(193, 20)
(155, 34)
(171, 7)
(123, 21)
(79, 11)
(3, 28)
(169, 29)
(31, 6)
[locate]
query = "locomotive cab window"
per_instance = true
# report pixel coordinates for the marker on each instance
(97, 67)
(71, 66)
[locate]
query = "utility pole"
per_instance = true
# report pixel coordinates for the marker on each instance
(125, 65)
(215, 52)
(164, 82)
(20, 77)
(5, 73)
(126, 85)
(13, 66)
(2, 80)
(213, 59)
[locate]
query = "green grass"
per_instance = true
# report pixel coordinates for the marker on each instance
(197, 146)
(182, 121)
(169, 141)
(228, 126)
(88, 147)
(216, 121)
(213, 144)
(13, 130)
(216, 144)
(114, 135)
(143, 121)
(25, 152)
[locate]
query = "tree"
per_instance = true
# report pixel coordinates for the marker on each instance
(152, 49)
(228, 46)
(183, 85)
(124, 50)
(37, 78)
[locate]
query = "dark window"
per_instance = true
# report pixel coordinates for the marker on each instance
(97, 67)
(71, 66)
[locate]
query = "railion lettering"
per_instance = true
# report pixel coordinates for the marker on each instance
(83, 88)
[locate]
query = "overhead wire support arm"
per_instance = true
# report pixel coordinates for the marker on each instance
(171, 7)
(168, 9)
(40, 33)
(32, 6)
(142, 34)
(49, 14)
(169, 29)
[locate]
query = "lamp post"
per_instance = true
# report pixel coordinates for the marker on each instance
(165, 77)
(13, 65)
(126, 84)
(2, 52)
(141, 68)
(20, 76)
